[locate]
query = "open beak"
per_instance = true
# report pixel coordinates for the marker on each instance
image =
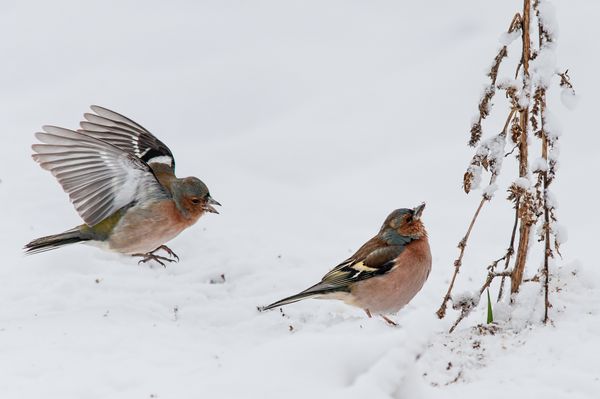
(418, 211)
(209, 205)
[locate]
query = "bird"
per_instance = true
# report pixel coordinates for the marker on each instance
(384, 274)
(121, 180)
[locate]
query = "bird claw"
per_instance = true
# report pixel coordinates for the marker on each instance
(168, 250)
(150, 256)
(389, 321)
(157, 258)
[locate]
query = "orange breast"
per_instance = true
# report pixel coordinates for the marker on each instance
(145, 227)
(392, 291)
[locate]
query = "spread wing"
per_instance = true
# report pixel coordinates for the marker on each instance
(99, 177)
(125, 134)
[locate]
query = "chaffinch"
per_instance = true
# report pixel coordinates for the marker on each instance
(384, 274)
(121, 180)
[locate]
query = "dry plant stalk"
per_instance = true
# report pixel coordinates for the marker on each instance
(526, 222)
(533, 203)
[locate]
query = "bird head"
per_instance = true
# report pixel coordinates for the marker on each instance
(406, 222)
(193, 198)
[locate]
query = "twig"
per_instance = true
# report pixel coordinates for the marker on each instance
(511, 249)
(488, 281)
(543, 36)
(484, 103)
(441, 312)
(511, 151)
(462, 245)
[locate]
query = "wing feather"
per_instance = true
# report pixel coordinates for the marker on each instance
(129, 136)
(376, 257)
(99, 178)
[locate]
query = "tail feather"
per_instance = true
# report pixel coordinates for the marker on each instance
(314, 291)
(48, 243)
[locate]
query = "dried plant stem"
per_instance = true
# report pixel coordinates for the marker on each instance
(441, 312)
(532, 201)
(547, 251)
(547, 248)
(525, 226)
(462, 245)
(511, 249)
(488, 281)
(546, 182)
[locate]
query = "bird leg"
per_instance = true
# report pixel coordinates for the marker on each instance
(157, 258)
(368, 312)
(389, 321)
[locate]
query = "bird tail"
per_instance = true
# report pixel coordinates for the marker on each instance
(54, 241)
(314, 291)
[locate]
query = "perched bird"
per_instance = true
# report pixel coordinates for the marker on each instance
(384, 274)
(121, 180)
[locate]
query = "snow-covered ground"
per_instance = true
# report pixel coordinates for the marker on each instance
(310, 122)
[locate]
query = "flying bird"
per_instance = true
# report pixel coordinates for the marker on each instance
(384, 274)
(121, 180)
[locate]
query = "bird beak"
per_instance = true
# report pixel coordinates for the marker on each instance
(209, 205)
(418, 211)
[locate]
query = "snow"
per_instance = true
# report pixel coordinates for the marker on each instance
(465, 300)
(561, 233)
(569, 98)
(551, 199)
(490, 190)
(547, 15)
(309, 122)
(506, 83)
(508, 37)
(523, 182)
(543, 68)
(538, 165)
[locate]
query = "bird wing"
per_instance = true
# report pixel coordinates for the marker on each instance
(374, 258)
(126, 134)
(99, 177)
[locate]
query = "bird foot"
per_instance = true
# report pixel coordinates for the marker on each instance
(168, 250)
(157, 258)
(389, 321)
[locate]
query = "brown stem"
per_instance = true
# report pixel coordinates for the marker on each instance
(441, 312)
(511, 249)
(546, 183)
(525, 223)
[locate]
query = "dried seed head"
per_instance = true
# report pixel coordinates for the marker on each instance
(467, 181)
(475, 133)
(515, 129)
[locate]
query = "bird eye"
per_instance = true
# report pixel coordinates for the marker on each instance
(195, 201)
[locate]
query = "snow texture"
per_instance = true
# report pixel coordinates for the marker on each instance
(569, 98)
(547, 16)
(551, 200)
(544, 68)
(523, 182)
(538, 165)
(309, 121)
(490, 190)
(561, 233)
(508, 37)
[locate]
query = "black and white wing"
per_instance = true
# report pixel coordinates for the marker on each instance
(99, 177)
(126, 134)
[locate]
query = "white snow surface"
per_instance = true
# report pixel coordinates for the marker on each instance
(310, 122)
